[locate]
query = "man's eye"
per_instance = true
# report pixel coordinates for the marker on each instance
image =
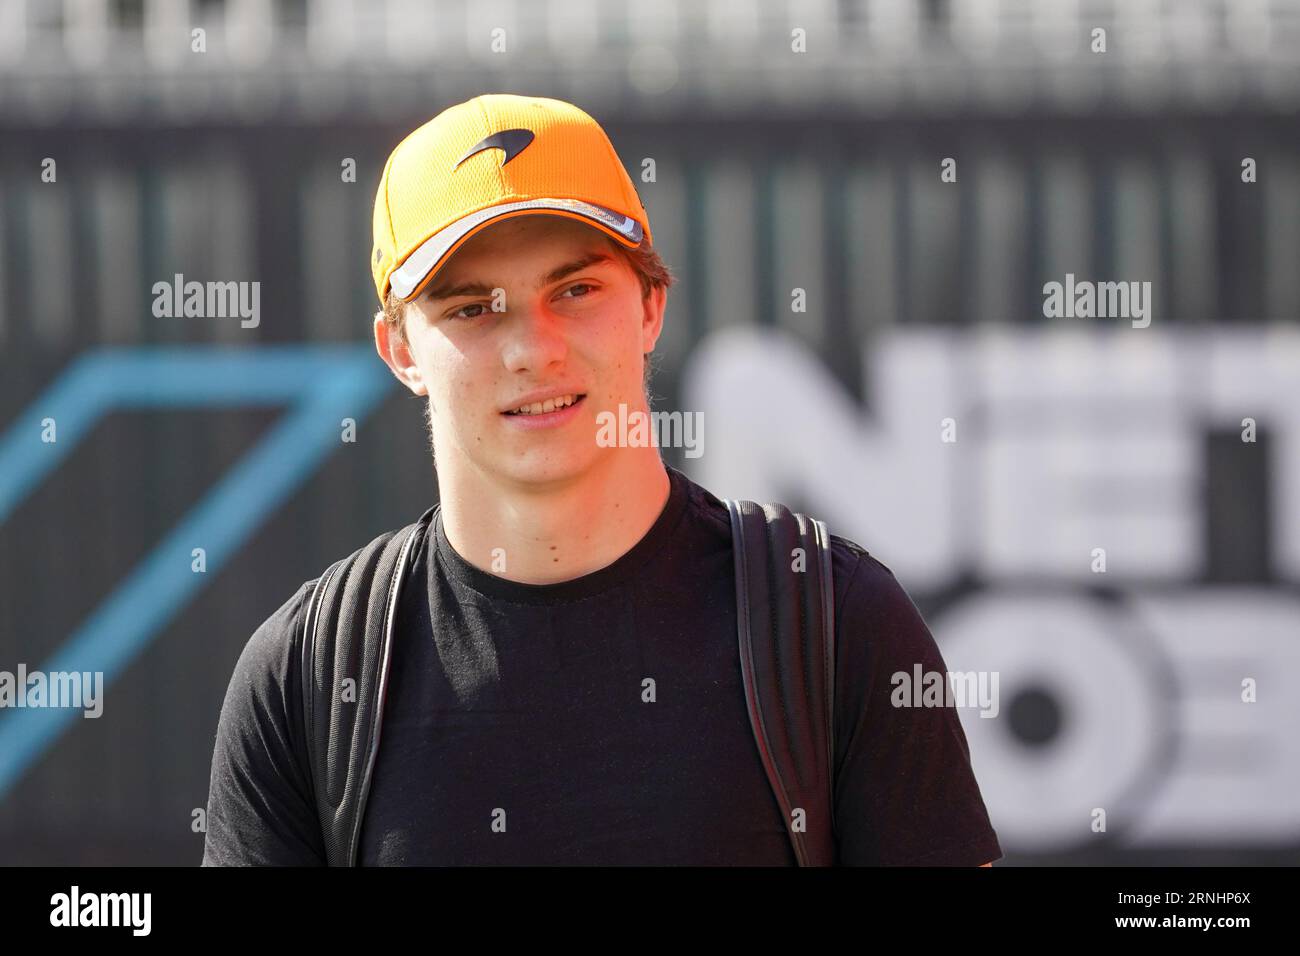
(472, 305)
(580, 285)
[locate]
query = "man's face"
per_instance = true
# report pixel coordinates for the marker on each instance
(573, 322)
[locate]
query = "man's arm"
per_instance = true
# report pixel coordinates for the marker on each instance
(261, 810)
(905, 791)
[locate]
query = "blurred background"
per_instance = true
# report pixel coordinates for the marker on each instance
(794, 146)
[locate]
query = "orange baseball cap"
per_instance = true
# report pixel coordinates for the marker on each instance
(491, 158)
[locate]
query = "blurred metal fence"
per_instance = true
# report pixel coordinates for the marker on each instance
(331, 58)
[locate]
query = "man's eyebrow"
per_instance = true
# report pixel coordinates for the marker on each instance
(445, 291)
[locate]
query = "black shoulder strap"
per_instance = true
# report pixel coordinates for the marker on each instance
(785, 602)
(347, 644)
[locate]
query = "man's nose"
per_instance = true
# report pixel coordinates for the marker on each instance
(535, 338)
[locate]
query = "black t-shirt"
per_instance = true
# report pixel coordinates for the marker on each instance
(516, 729)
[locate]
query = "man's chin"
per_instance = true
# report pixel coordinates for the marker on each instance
(542, 467)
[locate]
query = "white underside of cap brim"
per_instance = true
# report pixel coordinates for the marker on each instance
(408, 276)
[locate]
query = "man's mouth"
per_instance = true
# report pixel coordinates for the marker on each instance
(550, 405)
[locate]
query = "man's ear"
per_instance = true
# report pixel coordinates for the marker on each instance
(652, 322)
(396, 353)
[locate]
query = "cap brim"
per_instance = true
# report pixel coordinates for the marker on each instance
(409, 278)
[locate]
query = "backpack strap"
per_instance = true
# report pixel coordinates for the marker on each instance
(787, 655)
(348, 636)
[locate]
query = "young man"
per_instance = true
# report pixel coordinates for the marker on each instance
(521, 298)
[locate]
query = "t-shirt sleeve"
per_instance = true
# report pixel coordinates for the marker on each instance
(261, 808)
(905, 790)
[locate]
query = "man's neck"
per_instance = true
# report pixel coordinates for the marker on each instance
(558, 533)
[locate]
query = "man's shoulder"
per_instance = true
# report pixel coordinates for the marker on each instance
(272, 648)
(281, 627)
(860, 576)
(852, 565)
(288, 616)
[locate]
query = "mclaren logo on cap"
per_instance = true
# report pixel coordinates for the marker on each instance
(509, 141)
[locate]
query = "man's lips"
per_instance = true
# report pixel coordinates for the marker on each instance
(578, 399)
